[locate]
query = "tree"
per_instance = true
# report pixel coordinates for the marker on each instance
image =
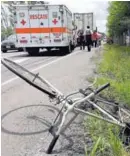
(7, 20)
(118, 20)
(5, 32)
(4, 15)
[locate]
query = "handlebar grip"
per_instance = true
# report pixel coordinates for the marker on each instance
(102, 88)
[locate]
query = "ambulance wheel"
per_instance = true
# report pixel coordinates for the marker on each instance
(4, 51)
(72, 47)
(48, 49)
(20, 49)
(33, 51)
(68, 49)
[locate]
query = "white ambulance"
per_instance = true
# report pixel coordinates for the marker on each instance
(44, 26)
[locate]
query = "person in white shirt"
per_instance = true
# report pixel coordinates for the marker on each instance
(88, 38)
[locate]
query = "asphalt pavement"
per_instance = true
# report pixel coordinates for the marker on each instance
(23, 135)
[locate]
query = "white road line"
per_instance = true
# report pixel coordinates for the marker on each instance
(10, 55)
(15, 78)
(21, 60)
(36, 63)
(9, 81)
(42, 66)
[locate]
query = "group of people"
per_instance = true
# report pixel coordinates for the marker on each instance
(87, 38)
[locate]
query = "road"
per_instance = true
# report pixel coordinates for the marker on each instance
(22, 136)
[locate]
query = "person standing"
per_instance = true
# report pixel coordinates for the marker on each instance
(81, 39)
(94, 38)
(88, 38)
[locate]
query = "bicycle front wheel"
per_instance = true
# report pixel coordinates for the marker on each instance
(33, 79)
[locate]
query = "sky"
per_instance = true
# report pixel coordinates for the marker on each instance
(98, 7)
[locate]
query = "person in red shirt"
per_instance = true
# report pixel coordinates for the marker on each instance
(95, 38)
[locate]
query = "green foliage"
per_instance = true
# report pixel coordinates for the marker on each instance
(105, 138)
(119, 17)
(116, 146)
(93, 152)
(5, 32)
(115, 68)
(95, 148)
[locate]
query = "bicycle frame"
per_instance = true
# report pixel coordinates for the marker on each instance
(72, 108)
(77, 111)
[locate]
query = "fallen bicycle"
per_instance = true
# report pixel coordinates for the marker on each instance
(87, 100)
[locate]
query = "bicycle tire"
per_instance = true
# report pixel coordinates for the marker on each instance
(52, 144)
(124, 133)
(12, 66)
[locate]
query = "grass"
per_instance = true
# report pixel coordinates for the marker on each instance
(105, 138)
(114, 68)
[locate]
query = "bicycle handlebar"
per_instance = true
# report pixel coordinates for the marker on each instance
(102, 88)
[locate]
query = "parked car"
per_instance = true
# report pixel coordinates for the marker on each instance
(9, 44)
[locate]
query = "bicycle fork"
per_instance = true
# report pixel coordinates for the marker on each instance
(61, 129)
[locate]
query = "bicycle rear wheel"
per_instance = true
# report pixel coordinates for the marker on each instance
(33, 79)
(119, 111)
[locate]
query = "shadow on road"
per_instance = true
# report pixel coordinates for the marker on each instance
(22, 121)
(52, 53)
(27, 119)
